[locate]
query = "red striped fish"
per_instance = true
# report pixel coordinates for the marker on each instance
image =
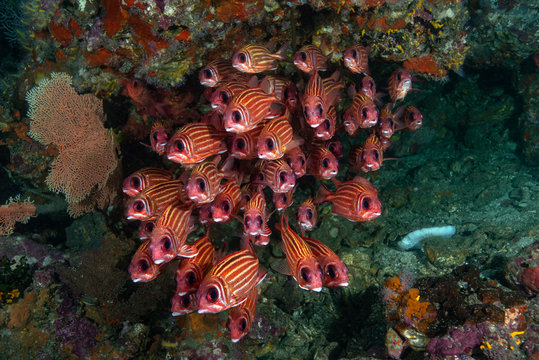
(159, 137)
(411, 119)
(335, 271)
(214, 118)
(255, 58)
(361, 114)
(229, 282)
(314, 101)
(191, 271)
(335, 146)
(145, 229)
(194, 142)
(224, 93)
(307, 215)
(295, 158)
(248, 191)
(142, 267)
(283, 200)
(254, 216)
(240, 318)
(276, 174)
(326, 130)
(355, 200)
(227, 203)
(399, 84)
(243, 145)
(300, 262)
(248, 109)
(275, 138)
(321, 163)
(356, 59)
(144, 178)
(204, 182)
(386, 123)
(368, 88)
(219, 71)
(149, 204)
(170, 233)
(183, 304)
(368, 157)
(309, 58)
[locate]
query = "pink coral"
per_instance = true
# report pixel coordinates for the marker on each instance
(74, 124)
(15, 211)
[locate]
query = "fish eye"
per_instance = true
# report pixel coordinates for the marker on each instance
(282, 176)
(303, 55)
(283, 198)
(135, 181)
(270, 144)
(411, 116)
(224, 96)
(242, 58)
(180, 146)
(228, 324)
(364, 112)
(391, 122)
(376, 155)
(365, 204)
(246, 198)
(236, 116)
(186, 301)
(306, 113)
(240, 144)
(212, 295)
(149, 226)
(347, 123)
(306, 275)
(399, 76)
(325, 163)
(226, 206)
(154, 136)
(135, 83)
(260, 177)
(327, 125)
(191, 278)
(201, 185)
(320, 110)
(331, 271)
(138, 206)
(302, 161)
(248, 221)
(166, 243)
(259, 221)
(207, 74)
(331, 148)
(243, 324)
(309, 214)
(354, 53)
(143, 265)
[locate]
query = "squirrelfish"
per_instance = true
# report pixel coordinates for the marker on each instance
(300, 262)
(142, 268)
(318, 96)
(240, 318)
(191, 271)
(229, 282)
(145, 229)
(204, 182)
(326, 130)
(149, 204)
(255, 58)
(183, 304)
(283, 200)
(356, 59)
(295, 158)
(361, 114)
(275, 138)
(355, 200)
(159, 138)
(321, 163)
(277, 175)
(259, 240)
(386, 123)
(223, 94)
(144, 178)
(243, 145)
(227, 203)
(399, 84)
(170, 233)
(217, 72)
(307, 215)
(369, 156)
(335, 271)
(248, 109)
(309, 58)
(255, 217)
(194, 142)
(411, 119)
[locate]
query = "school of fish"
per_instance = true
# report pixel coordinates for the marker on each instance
(260, 136)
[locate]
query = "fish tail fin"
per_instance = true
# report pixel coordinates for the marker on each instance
(321, 196)
(281, 53)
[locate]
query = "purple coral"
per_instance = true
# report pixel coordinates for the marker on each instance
(74, 330)
(458, 341)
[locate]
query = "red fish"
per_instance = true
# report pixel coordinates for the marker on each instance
(170, 233)
(145, 229)
(355, 200)
(295, 158)
(361, 114)
(159, 138)
(254, 58)
(326, 130)
(275, 138)
(309, 58)
(307, 215)
(368, 157)
(300, 262)
(144, 178)
(386, 123)
(411, 119)
(276, 174)
(254, 216)
(356, 59)
(191, 271)
(224, 93)
(259, 240)
(335, 271)
(336, 147)
(217, 72)
(229, 282)
(204, 214)
(142, 267)
(145, 99)
(321, 163)
(149, 204)
(227, 203)
(183, 304)
(240, 318)
(214, 118)
(248, 109)
(204, 183)
(194, 142)
(368, 88)
(283, 200)
(248, 191)
(243, 145)
(400, 83)
(318, 96)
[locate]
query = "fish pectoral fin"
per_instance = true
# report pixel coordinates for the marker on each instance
(188, 251)
(261, 275)
(281, 266)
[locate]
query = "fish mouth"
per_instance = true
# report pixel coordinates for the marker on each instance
(158, 261)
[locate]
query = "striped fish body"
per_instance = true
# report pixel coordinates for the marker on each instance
(279, 86)
(243, 145)
(355, 200)
(191, 271)
(399, 84)
(142, 267)
(274, 138)
(169, 236)
(240, 318)
(247, 109)
(183, 304)
(335, 271)
(149, 204)
(332, 88)
(302, 265)
(254, 216)
(309, 58)
(307, 215)
(204, 183)
(295, 158)
(326, 130)
(368, 157)
(159, 138)
(219, 71)
(255, 58)
(229, 282)
(194, 142)
(248, 191)
(283, 200)
(227, 203)
(356, 59)
(386, 123)
(277, 175)
(314, 101)
(144, 178)
(321, 163)
(361, 114)
(224, 94)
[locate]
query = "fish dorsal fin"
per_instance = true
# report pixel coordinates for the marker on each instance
(188, 251)
(281, 266)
